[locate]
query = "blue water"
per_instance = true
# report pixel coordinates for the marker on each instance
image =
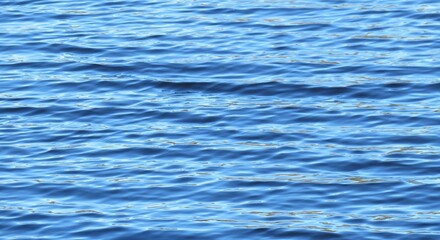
(187, 119)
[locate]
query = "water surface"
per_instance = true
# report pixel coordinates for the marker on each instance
(219, 119)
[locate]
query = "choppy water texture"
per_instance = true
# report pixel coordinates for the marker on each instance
(219, 119)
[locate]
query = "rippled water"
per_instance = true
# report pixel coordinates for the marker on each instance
(228, 119)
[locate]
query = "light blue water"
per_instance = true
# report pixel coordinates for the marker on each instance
(219, 119)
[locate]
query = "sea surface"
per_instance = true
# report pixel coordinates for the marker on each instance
(200, 120)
